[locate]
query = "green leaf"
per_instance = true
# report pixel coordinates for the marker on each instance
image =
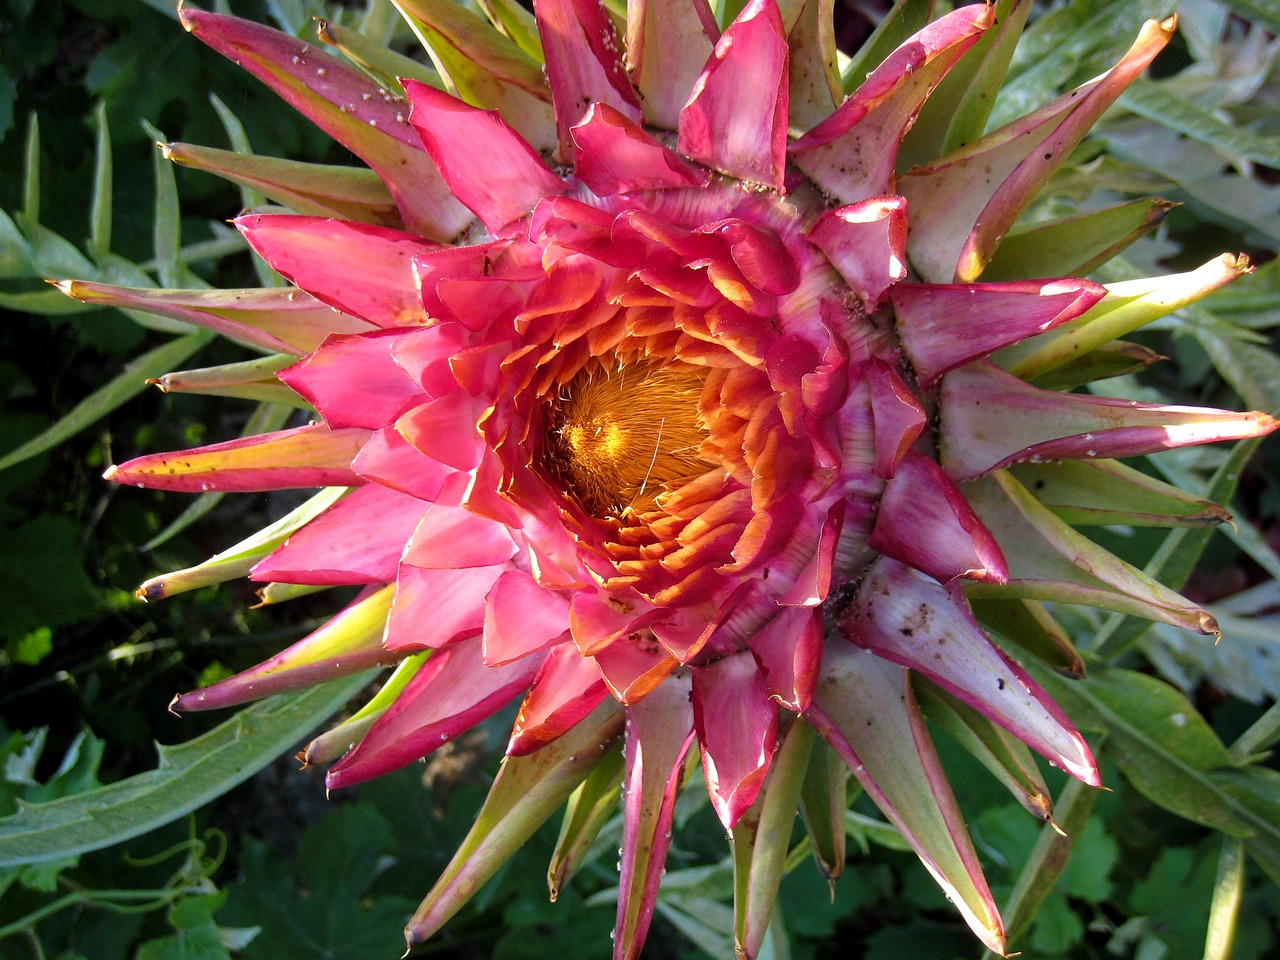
(167, 231)
(1157, 102)
(334, 859)
(1252, 371)
(956, 112)
(1228, 892)
(1056, 928)
(120, 390)
(901, 22)
(1268, 11)
(15, 251)
(1072, 246)
(1172, 757)
(1049, 858)
(8, 96)
(197, 936)
(1243, 664)
(1069, 45)
(1174, 896)
(338, 922)
(100, 209)
(1178, 554)
(186, 777)
(1095, 853)
(42, 579)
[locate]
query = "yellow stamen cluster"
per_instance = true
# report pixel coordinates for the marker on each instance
(620, 437)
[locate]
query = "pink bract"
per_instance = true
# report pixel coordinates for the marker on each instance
(671, 426)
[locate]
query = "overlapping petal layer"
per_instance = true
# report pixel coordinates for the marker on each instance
(649, 402)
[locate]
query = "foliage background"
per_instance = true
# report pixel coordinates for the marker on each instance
(272, 869)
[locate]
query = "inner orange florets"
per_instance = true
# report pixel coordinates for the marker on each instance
(622, 436)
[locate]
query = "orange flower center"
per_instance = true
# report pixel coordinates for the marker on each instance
(620, 437)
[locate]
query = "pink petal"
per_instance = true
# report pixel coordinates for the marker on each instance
(487, 165)
(945, 325)
(597, 619)
(925, 521)
(312, 456)
(438, 608)
(353, 381)
(737, 726)
(567, 688)
(581, 227)
(424, 355)
(450, 694)
(759, 253)
(789, 651)
(867, 243)
(521, 616)
(474, 262)
(612, 155)
(736, 117)
(947, 646)
(993, 419)
(659, 732)
(285, 321)
(392, 461)
(584, 63)
(851, 154)
(668, 44)
(811, 583)
(347, 644)
(633, 672)
(357, 540)
(363, 270)
(346, 104)
(450, 538)
(963, 204)
(445, 430)
(898, 417)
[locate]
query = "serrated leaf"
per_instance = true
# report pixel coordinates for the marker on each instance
(42, 579)
(301, 925)
(131, 382)
(187, 776)
(197, 936)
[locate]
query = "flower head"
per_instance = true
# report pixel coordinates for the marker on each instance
(661, 402)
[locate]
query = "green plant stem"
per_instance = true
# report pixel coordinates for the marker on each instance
(1264, 732)
(36, 946)
(102, 899)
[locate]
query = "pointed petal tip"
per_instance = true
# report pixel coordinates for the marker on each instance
(153, 589)
(110, 473)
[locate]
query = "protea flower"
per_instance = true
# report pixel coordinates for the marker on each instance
(652, 395)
